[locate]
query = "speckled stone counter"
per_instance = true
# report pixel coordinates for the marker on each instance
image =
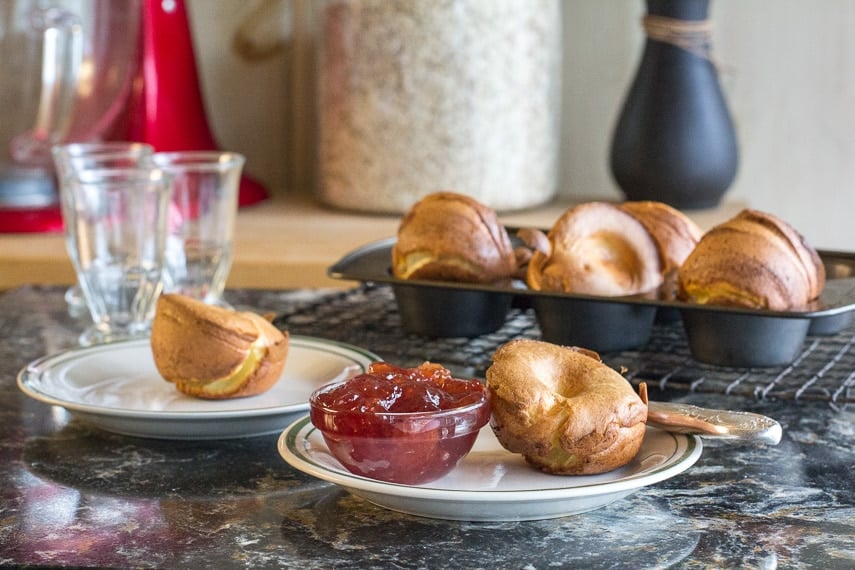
(76, 496)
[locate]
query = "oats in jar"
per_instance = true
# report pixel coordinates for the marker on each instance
(448, 94)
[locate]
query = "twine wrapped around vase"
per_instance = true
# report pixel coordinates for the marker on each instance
(694, 36)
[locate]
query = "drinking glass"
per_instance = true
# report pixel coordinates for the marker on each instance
(200, 240)
(76, 157)
(116, 220)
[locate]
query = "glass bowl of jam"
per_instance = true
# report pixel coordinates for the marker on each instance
(400, 425)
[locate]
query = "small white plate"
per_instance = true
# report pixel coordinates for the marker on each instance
(117, 388)
(492, 484)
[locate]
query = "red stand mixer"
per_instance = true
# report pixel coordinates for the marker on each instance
(132, 76)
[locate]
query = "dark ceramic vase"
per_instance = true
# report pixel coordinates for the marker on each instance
(674, 141)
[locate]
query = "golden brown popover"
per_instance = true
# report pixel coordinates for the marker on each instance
(452, 237)
(753, 260)
(213, 352)
(562, 409)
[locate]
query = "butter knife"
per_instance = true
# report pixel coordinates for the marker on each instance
(713, 424)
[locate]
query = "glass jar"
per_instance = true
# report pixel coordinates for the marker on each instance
(416, 97)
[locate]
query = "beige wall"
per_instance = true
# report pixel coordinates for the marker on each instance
(788, 74)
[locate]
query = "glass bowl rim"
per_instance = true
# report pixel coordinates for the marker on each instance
(427, 414)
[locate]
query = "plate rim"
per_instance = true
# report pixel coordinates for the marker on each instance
(25, 375)
(691, 445)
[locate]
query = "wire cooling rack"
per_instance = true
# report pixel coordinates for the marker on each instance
(367, 317)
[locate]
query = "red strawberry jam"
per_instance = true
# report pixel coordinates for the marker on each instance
(403, 425)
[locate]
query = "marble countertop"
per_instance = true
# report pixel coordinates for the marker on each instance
(77, 496)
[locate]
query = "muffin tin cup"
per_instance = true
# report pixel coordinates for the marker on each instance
(829, 325)
(743, 340)
(596, 325)
(444, 312)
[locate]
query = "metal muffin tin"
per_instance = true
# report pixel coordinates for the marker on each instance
(724, 336)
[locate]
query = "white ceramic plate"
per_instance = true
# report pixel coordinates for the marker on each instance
(117, 388)
(492, 484)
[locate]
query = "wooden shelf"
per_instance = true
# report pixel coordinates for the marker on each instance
(282, 243)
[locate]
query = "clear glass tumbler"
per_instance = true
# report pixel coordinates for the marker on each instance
(77, 157)
(200, 241)
(117, 221)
